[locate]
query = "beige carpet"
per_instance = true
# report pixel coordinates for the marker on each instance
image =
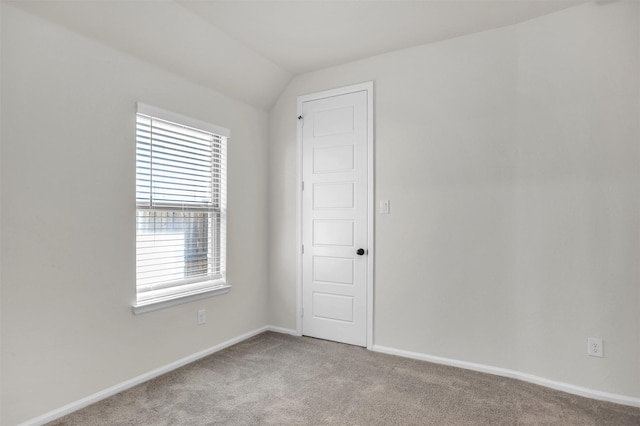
(275, 379)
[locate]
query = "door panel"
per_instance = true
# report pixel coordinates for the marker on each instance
(333, 233)
(333, 159)
(333, 270)
(335, 121)
(333, 307)
(334, 217)
(333, 195)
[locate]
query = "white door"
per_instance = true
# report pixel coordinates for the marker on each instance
(334, 217)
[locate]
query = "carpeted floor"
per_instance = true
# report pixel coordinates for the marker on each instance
(276, 379)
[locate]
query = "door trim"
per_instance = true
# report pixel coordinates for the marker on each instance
(367, 87)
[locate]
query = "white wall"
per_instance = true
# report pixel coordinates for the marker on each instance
(511, 160)
(68, 269)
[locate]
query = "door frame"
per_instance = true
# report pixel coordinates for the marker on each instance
(367, 87)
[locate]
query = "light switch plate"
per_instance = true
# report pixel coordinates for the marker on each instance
(384, 206)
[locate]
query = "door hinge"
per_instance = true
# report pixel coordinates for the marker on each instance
(302, 312)
(303, 249)
(303, 185)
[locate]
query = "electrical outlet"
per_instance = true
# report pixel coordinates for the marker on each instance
(595, 347)
(202, 316)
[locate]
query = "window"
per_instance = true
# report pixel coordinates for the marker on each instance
(180, 209)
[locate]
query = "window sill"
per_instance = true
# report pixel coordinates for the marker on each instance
(154, 305)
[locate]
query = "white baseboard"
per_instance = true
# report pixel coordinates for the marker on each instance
(74, 406)
(283, 330)
(565, 387)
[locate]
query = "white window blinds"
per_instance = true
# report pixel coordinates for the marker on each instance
(180, 206)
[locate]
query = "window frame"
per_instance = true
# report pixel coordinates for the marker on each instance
(186, 289)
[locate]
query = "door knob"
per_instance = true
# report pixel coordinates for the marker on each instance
(360, 252)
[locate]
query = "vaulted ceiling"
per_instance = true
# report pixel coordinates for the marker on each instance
(250, 50)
